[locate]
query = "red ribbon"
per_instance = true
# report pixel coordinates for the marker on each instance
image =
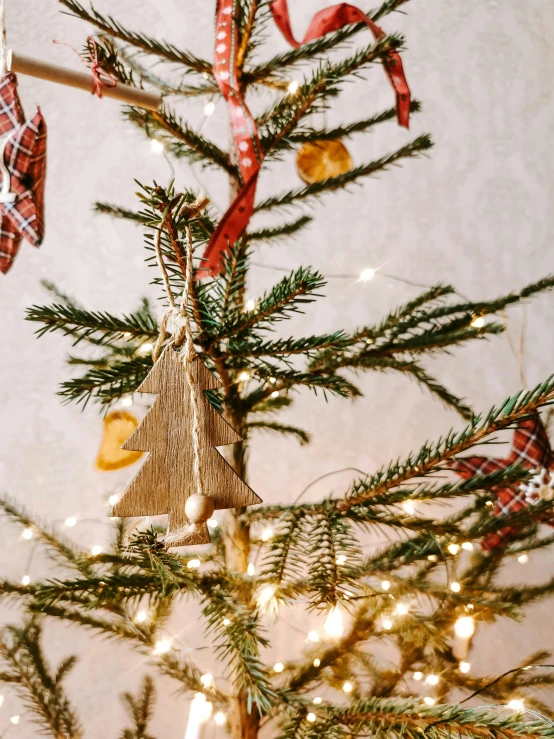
(243, 125)
(108, 80)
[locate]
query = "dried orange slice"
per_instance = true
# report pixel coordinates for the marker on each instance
(319, 160)
(118, 426)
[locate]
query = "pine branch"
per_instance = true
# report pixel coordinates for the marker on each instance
(279, 428)
(118, 212)
(107, 384)
(113, 28)
(140, 710)
(277, 232)
(413, 149)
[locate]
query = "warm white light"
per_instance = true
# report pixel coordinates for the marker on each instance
(275, 394)
(468, 546)
(418, 675)
(489, 503)
(127, 401)
(220, 718)
(516, 704)
(193, 564)
(478, 322)
(162, 646)
(250, 305)
(278, 667)
(15, 719)
(316, 662)
(523, 559)
(267, 534)
(112, 500)
(266, 599)
(25, 580)
(455, 587)
(251, 570)
(244, 376)
(367, 274)
(27, 533)
(334, 623)
(317, 700)
(156, 147)
(464, 627)
(453, 548)
(311, 717)
(71, 521)
(347, 687)
(207, 680)
(209, 108)
(226, 622)
(432, 558)
(385, 585)
(341, 559)
(96, 550)
(273, 380)
(293, 86)
(408, 506)
(386, 623)
(429, 701)
(432, 679)
(200, 712)
(212, 523)
(145, 348)
(402, 609)
(313, 636)
(141, 617)
(464, 667)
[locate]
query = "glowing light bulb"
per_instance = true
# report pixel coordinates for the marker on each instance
(347, 687)
(278, 667)
(523, 558)
(385, 585)
(464, 667)
(15, 720)
(311, 717)
(478, 322)
(418, 675)
(250, 305)
(468, 546)
(141, 617)
(71, 521)
(267, 534)
(275, 394)
(226, 622)
(313, 636)
(464, 627)
(209, 108)
(432, 679)
(127, 401)
(367, 274)
(453, 548)
(334, 623)
(266, 600)
(96, 550)
(251, 570)
(200, 711)
(25, 580)
(220, 718)
(402, 609)
(193, 564)
(156, 147)
(244, 376)
(340, 559)
(386, 623)
(429, 701)
(273, 380)
(207, 680)
(145, 348)
(316, 662)
(455, 587)
(293, 86)
(516, 704)
(408, 506)
(27, 533)
(489, 503)
(112, 500)
(432, 558)
(212, 523)
(162, 646)
(317, 700)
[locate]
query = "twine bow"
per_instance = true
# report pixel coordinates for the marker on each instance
(100, 77)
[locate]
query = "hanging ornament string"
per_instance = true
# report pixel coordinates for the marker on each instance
(243, 124)
(101, 78)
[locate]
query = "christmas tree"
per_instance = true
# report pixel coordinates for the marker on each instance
(437, 576)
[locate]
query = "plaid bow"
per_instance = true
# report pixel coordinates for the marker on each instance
(23, 158)
(530, 448)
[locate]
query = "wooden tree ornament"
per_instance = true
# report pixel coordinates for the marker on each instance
(167, 478)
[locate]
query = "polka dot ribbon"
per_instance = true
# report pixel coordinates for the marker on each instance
(243, 125)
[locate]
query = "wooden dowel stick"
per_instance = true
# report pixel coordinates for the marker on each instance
(83, 81)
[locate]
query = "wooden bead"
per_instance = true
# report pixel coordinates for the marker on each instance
(199, 508)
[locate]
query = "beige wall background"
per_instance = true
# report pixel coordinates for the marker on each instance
(477, 213)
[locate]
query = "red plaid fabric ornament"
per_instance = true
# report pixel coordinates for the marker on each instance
(23, 169)
(530, 448)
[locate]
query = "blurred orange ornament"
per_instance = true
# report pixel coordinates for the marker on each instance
(320, 160)
(118, 426)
